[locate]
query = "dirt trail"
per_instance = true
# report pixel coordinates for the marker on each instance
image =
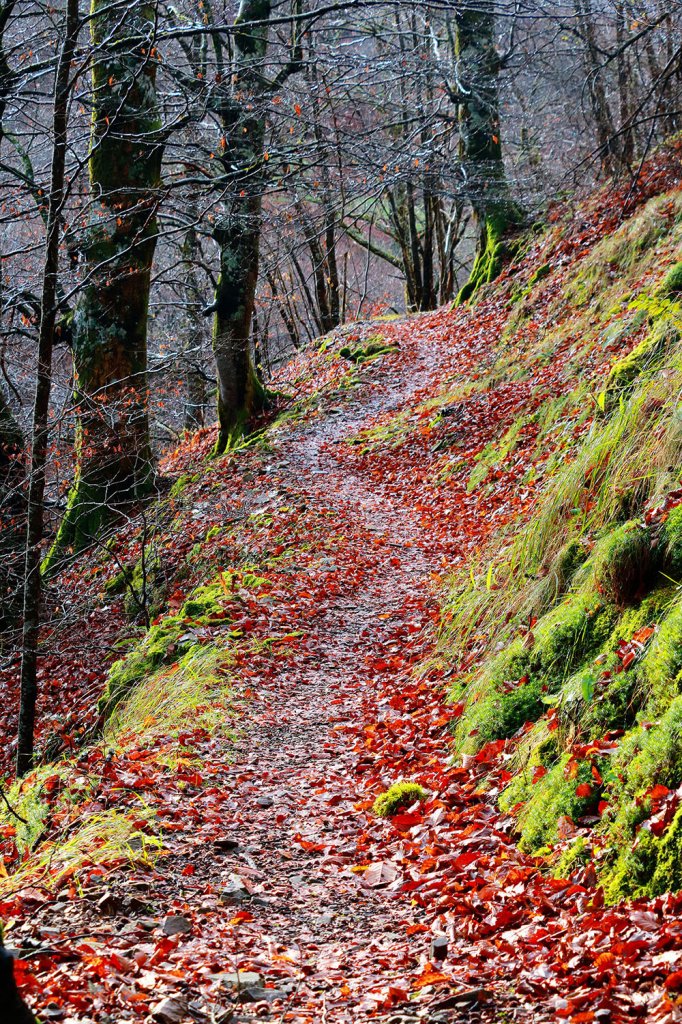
(292, 901)
(300, 763)
(299, 750)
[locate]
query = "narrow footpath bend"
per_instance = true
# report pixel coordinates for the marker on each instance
(329, 928)
(329, 924)
(278, 872)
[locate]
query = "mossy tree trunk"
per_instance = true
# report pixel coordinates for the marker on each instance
(240, 393)
(486, 184)
(114, 455)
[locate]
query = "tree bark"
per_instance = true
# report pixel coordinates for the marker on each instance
(115, 464)
(240, 393)
(486, 185)
(193, 372)
(46, 334)
(12, 516)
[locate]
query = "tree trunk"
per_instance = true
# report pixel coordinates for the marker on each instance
(487, 188)
(46, 334)
(240, 393)
(115, 462)
(627, 143)
(12, 506)
(193, 370)
(607, 140)
(12, 516)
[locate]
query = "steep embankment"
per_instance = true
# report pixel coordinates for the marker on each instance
(482, 505)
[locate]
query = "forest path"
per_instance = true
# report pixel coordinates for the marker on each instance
(279, 895)
(326, 926)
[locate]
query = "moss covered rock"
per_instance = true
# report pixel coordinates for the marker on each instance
(645, 856)
(643, 358)
(372, 347)
(399, 796)
(172, 637)
(672, 282)
(671, 541)
(568, 790)
(626, 563)
(518, 684)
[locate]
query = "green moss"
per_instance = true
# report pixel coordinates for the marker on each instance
(640, 863)
(591, 546)
(28, 798)
(618, 259)
(559, 576)
(495, 452)
(644, 358)
(672, 282)
(159, 644)
(661, 666)
(626, 563)
(650, 754)
(89, 508)
(168, 640)
(400, 795)
(568, 634)
(182, 483)
(577, 855)
(613, 705)
(196, 688)
(671, 542)
(540, 274)
(370, 349)
(119, 583)
(551, 797)
(601, 696)
(205, 604)
(649, 865)
(518, 682)
(490, 256)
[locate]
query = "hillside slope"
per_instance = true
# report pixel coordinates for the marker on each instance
(453, 559)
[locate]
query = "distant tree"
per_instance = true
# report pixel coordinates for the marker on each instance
(12, 515)
(237, 230)
(191, 350)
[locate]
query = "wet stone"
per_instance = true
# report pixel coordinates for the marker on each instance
(175, 924)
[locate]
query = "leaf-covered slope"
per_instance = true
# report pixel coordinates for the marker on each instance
(572, 621)
(548, 464)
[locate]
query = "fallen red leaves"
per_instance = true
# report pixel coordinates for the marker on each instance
(274, 868)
